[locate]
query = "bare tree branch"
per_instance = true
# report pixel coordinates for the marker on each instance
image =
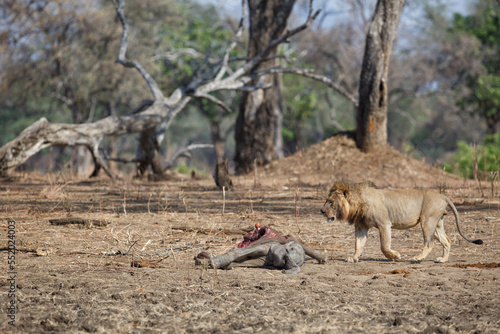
(236, 37)
(144, 104)
(333, 114)
(173, 55)
(122, 160)
(122, 55)
(185, 152)
(255, 60)
(214, 100)
(263, 59)
(308, 74)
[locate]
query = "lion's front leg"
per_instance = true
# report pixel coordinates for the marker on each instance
(385, 242)
(361, 235)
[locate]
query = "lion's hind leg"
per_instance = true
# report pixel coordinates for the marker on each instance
(433, 227)
(427, 249)
(441, 236)
(428, 230)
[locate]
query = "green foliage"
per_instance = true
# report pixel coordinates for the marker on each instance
(183, 168)
(200, 31)
(487, 157)
(300, 101)
(484, 86)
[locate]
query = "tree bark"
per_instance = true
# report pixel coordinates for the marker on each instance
(149, 153)
(217, 140)
(258, 126)
(492, 121)
(371, 118)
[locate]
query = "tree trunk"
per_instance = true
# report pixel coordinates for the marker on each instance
(258, 126)
(217, 141)
(492, 121)
(149, 153)
(371, 118)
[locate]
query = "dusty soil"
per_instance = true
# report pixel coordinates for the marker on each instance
(80, 278)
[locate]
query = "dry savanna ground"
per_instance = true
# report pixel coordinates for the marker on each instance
(127, 265)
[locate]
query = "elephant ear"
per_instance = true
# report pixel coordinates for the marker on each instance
(290, 266)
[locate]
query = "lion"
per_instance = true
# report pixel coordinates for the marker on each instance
(365, 206)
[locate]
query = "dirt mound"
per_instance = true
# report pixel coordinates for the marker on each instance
(337, 158)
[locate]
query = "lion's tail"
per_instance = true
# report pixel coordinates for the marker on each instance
(455, 212)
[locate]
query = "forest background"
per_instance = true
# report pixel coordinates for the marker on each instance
(444, 78)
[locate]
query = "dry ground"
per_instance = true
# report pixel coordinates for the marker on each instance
(79, 278)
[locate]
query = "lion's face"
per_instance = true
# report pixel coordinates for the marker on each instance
(330, 209)
(336, 207)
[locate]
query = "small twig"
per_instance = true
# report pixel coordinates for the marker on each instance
(255, 173)
(124, 203)
(476, 171)
(149, 201)
(223, 199)
(493, 178)
(251, 202)
(216, 273)
(146, 245)
(130, 247)
(296, 212)
(173, 254)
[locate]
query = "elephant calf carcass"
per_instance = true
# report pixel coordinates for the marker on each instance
(264, 248)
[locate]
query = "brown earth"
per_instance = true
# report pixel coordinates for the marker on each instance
(127, 265)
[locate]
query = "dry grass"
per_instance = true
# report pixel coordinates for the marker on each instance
(76, 278)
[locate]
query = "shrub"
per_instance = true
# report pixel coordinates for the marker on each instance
(487, 156)
(183, 168)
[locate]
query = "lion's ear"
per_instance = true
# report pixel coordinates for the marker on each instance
(344, 193)
(341, 189)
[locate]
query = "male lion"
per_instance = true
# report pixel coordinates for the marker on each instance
(365, 206)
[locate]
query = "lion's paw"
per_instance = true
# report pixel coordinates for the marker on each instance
(415, 260)
(441, 260)
(396, 256)
(352, 260)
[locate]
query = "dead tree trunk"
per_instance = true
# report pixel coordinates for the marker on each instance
(371, 118)
(217, 140)
(258, 127)
(221, 175)
(149, 151)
